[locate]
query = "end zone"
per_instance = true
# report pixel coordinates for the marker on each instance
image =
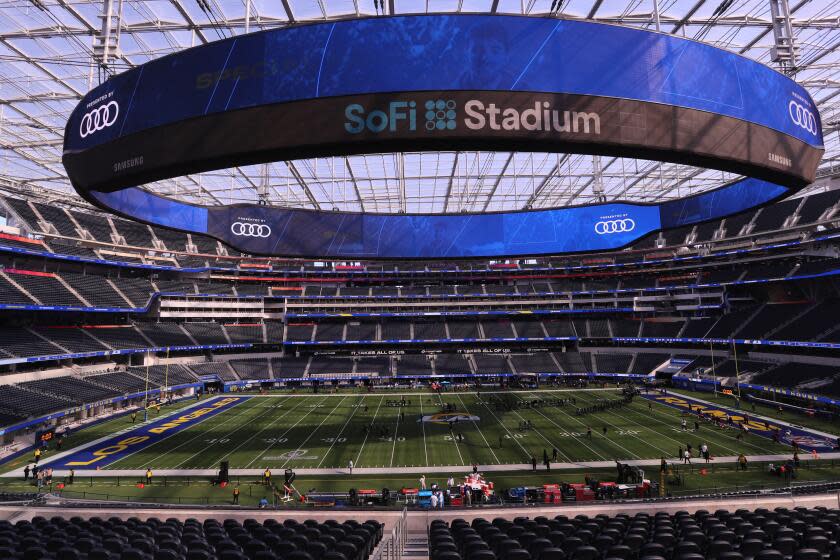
(807, 440)
(102, 453)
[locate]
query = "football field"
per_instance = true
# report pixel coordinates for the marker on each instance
(379, 430)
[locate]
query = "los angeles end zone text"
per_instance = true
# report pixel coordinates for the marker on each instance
(145, 436)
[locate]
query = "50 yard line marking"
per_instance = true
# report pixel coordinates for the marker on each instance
(452, 435)
(479, 431)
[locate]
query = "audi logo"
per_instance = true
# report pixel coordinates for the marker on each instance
(802, 117)
(615, 226)
(250, 230)
(100, 118)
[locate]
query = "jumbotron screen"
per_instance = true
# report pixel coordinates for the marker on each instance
(431, 82)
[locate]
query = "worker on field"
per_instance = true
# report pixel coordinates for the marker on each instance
(72, 476)
(267, 477)
(149, 476)
(37, 454)
(533, 463)
(134, 417)
(236, 492)
(26, 473)
(350, 466)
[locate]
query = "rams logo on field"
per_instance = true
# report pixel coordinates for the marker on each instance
(447, 417)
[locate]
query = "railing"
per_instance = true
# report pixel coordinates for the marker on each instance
(392, 546)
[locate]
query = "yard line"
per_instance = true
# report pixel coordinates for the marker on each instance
(335, 439)
(580, 441)
(217, 417)
(312, 433)
(396, 431)
(255, 434)
(423, 427)
(722, 434)
(527, 455)
(605, 413)
(270, 445)
(454, 440)
(242, 419)
(553, 444)
(479, 431)
(368, 432)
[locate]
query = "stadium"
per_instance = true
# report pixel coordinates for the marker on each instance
(465, 280)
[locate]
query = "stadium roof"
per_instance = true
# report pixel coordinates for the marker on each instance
(53, 51)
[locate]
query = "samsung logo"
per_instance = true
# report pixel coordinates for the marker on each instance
(128, 164)
(781, 160)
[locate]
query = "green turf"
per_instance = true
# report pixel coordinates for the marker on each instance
(817, 423)
(326, 431)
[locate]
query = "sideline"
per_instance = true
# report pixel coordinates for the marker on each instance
(413, 470)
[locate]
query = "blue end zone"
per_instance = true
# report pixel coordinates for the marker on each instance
(106, 452)
(806, 439)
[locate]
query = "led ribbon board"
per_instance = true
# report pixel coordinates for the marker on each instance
(435, 82)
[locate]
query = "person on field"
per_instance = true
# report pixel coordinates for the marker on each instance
(37, 455)
(267, 477)
(134, 417)
(422, 482)
(533, 463)
(149, 476)
(350, 466)
(26, 473)
(236, 492)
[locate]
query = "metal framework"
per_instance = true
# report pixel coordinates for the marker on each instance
(52, 51)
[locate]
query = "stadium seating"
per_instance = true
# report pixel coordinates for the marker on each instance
(166, 334)
(220, 369)
(78, 390)
(166, 375)
(255, 368)
(172, 539)
(20, 342)
(778, 534)
(121, 381)
(29, 403)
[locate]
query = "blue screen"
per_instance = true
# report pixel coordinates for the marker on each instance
(309, 233)
(446, 52)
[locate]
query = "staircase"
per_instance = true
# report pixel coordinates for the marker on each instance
(416, 544)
